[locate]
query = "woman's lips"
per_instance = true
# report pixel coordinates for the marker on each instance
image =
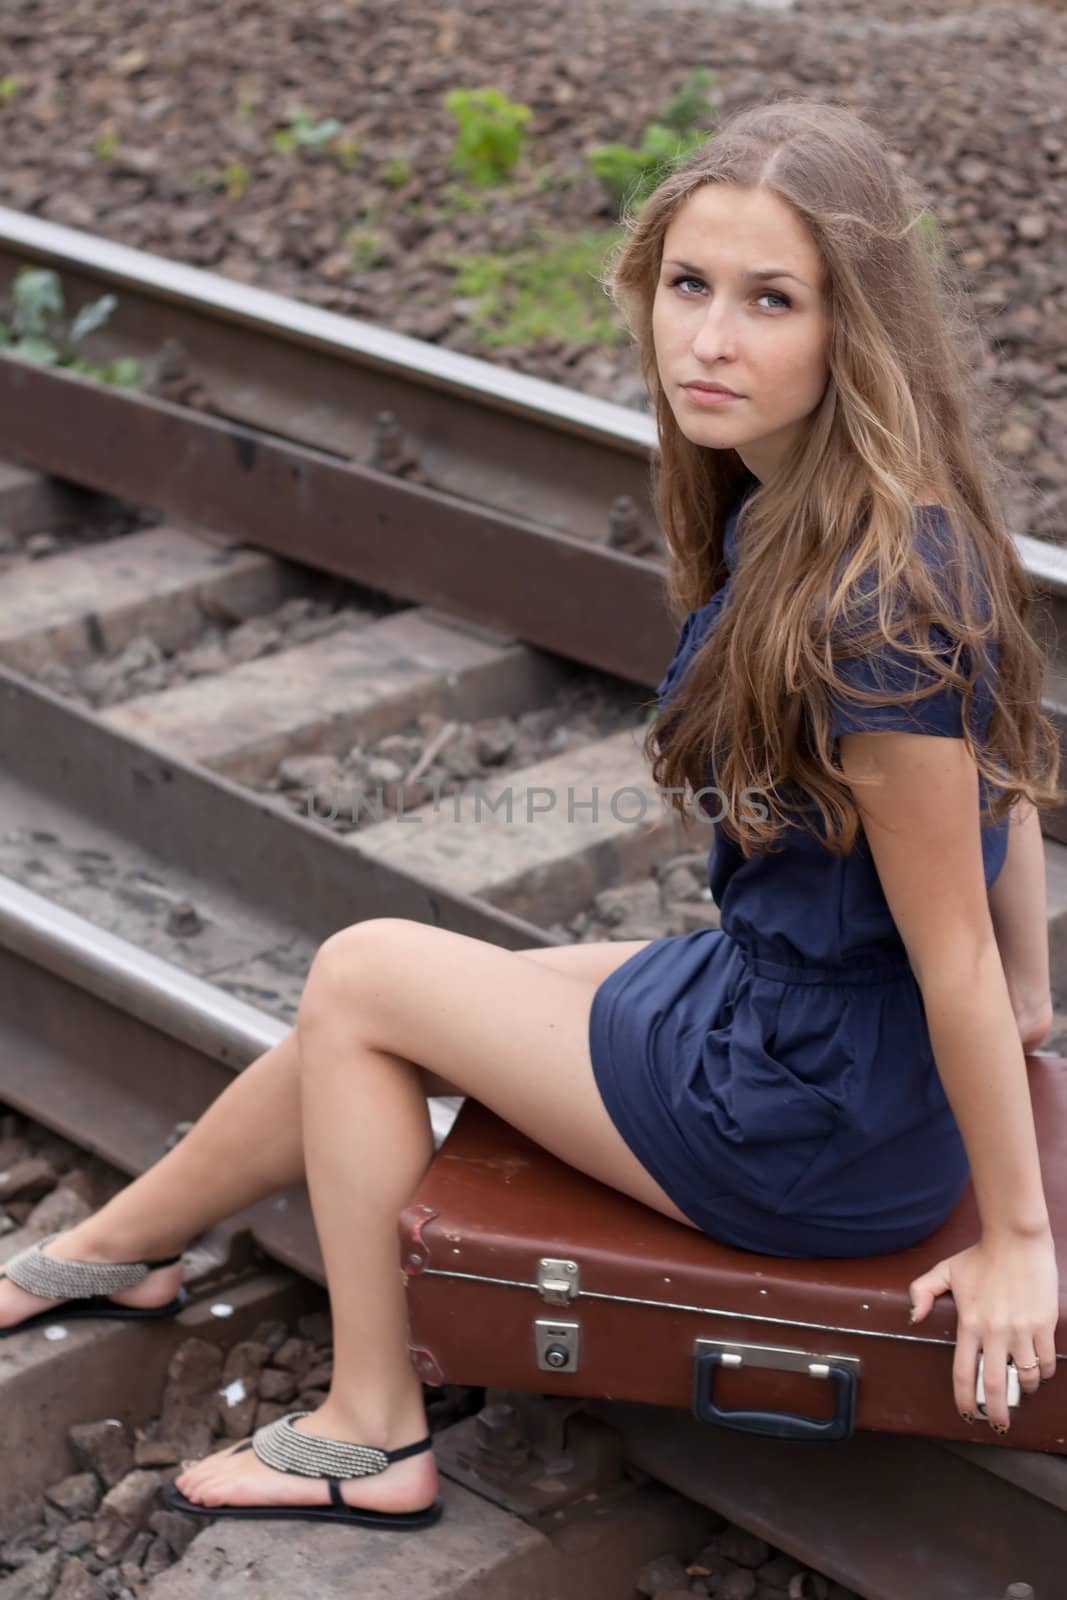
(709, 397)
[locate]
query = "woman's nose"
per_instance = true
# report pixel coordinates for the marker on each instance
(715, 335)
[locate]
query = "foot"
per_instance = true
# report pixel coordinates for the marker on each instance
(225, 1479)
(157, 1289)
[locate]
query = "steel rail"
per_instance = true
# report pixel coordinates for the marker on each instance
(600, 607)
(494, 437)
(539, 451)
(551, 415)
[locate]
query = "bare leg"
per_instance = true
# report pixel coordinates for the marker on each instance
(518, 1041)
(246, 1145)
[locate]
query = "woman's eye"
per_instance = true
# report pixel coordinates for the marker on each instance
(774, 294)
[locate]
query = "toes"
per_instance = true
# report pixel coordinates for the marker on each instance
(196, 1489)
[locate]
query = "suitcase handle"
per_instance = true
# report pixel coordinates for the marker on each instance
(775, 1424)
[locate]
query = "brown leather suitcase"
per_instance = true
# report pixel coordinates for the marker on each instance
(525, 1274)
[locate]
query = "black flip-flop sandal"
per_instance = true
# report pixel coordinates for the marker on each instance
(279, 1445)
(89, 1283)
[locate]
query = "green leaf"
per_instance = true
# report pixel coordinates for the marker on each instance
(35, 348)
(691, 106)
(125, 372)
(91, 317)
(37, 294)
(490, 138)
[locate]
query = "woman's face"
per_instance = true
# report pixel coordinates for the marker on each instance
(767, 340)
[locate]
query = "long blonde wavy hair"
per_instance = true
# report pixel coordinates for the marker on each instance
(903, 409)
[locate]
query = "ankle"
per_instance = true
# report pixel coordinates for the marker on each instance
(89, 1241)
(369, 1425)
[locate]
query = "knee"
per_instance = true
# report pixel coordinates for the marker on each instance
(348, 964)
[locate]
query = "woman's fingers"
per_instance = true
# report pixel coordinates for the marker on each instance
(924, 1290)
(1021, 1349)
(1028, 1365)
(1045, 1352)
(995, 1382)
(965, 1372)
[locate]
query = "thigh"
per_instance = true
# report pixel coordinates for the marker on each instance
(592, 962)
(512, 1033)
(589, 963)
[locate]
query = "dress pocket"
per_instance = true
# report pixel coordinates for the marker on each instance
(778, 1073)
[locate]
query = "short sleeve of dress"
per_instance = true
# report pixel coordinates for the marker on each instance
(891, 671)
(694, 631)
(895, 674)
(677, 661)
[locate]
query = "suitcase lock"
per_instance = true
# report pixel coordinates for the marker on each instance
(558, 1345)
(843, 1372)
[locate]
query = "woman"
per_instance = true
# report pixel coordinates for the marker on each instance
(823, 1073)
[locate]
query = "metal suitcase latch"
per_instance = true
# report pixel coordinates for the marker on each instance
(842, 1371)
(558, 1345)
(558, 1281)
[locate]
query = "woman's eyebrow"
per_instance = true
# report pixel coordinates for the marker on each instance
(753, 277)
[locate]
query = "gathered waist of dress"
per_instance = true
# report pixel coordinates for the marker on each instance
(769, 960)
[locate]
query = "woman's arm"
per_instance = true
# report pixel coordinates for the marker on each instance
(921, 820)
(1019, 912)
(979, 1057)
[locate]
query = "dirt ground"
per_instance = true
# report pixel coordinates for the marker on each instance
(171, 127)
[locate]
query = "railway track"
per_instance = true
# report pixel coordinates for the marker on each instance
(183, 704)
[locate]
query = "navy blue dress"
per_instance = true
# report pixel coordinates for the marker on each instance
(775, 1074)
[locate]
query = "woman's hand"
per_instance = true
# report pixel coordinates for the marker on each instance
(1006, 1289)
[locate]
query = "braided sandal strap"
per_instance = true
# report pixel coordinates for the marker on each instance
(280, 1445)
(55, 1279)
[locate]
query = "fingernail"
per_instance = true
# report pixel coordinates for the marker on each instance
(968, 1417)
(999, 1427)
(912, 1314)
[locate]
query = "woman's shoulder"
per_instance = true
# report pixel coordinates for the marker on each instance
(948, 555)
(952, 557)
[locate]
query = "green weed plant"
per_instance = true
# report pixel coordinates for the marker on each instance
(36, 328)
(631, 173)
(303, 133)
(490, 138)
(551, 289)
